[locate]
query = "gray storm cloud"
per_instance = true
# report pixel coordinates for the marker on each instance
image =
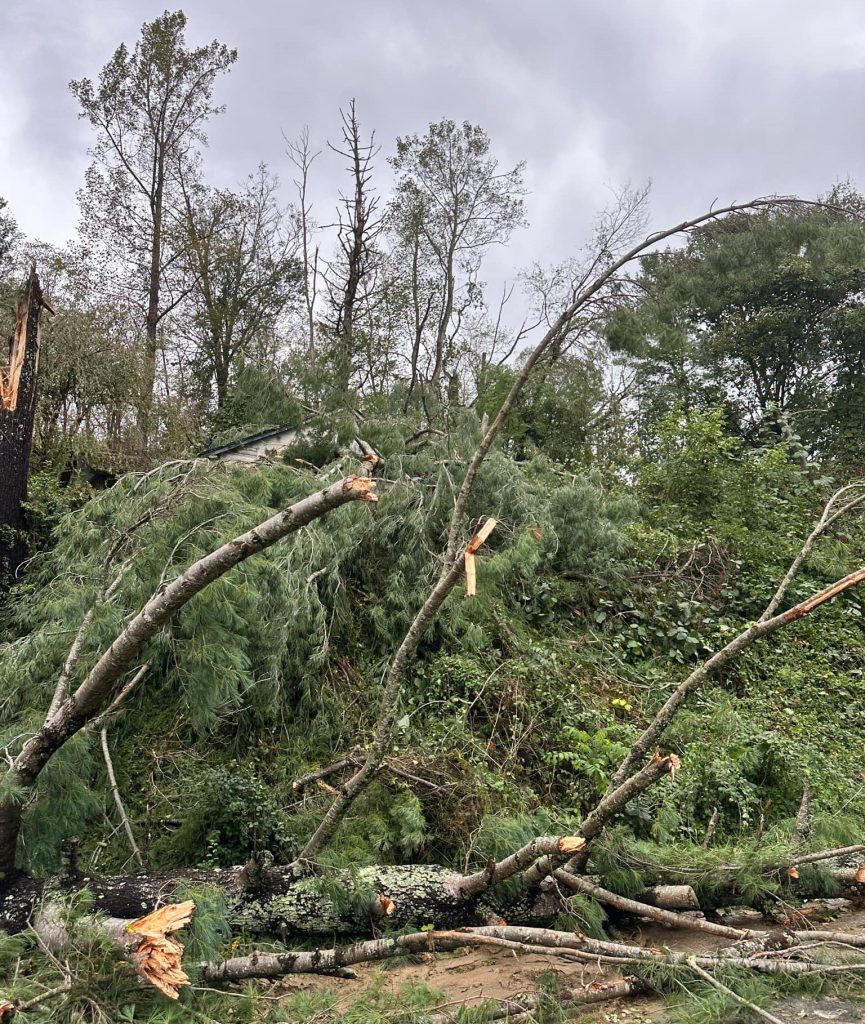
(706, 98)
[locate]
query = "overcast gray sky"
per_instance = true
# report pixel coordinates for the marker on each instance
(707, 98)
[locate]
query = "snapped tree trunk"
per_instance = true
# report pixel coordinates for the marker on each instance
(19, 388)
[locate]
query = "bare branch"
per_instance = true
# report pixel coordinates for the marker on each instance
(115, 792)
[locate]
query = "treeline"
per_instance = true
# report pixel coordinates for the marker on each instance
(185, 311)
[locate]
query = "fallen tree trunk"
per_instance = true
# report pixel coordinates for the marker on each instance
(282, 902)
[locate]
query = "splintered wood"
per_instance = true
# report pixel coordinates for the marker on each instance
(471, 548)
(571, 844)
(10, 377)
(364, 487)
(158, 958)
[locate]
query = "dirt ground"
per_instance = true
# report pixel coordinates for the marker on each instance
(471, 976)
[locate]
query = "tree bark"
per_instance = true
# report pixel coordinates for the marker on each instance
(17, 413)
(281, 902)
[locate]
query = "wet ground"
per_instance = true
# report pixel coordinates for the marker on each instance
(472, 976)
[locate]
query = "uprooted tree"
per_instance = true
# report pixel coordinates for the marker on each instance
(298, 898)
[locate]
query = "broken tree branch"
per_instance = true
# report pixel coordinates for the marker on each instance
(541, 848)
(118, 802)
(144, 942)
(90, 697)
(583, 292)
(561, 327)
(615, 801)
(388, 710)
(745, 639)
(829, 515)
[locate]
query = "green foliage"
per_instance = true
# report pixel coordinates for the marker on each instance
(233, 815)
(591, 757)
(585, 915)
(208, 932)
(590, 598)
(556, 412)
(257, 399)
(759, 311)
(638, 531)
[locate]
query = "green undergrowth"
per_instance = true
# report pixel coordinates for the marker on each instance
(597, 594)
(596, 597)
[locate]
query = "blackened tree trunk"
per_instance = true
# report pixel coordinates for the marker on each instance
(19, 386)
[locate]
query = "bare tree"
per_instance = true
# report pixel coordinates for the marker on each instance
(302, 157)
(350, 278)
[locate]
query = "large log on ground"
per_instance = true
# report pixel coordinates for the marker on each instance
(279, 902)
(282, 902)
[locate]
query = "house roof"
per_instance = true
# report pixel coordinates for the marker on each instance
(245, 442)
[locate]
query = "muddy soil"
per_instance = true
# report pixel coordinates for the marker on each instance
(472, 976)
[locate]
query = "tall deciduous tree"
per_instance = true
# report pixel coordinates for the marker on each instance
(148, 109)
(451, 203)
(242, 255)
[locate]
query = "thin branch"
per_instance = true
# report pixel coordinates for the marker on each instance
(115, 792)
(695, 967)
(388, 710)
(576, 883)
(615, 801)
(96, 723)
(745, 639)
(61, 691)
(829, 516)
